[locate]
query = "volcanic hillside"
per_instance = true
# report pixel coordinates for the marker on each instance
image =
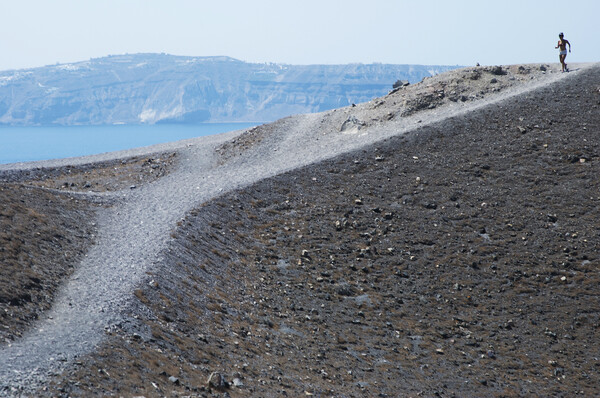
(460, 258)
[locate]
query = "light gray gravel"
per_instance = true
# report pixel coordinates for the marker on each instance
(133, 232)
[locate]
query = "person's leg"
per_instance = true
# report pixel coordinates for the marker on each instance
(562, 61)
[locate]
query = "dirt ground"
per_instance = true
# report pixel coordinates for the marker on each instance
(459, 260)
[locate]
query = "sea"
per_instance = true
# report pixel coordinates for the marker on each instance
(25, 144)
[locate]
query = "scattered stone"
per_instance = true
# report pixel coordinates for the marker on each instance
(217, 381)
(430, 206)
(202, 338)
(549, 333)
(338, 225)
(345, 289)
(352, 123)
(497, 70)
(174, 380)
(237, 383)
(474, 75)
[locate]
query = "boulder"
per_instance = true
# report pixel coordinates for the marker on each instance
(497, 70)
(217, 382)
(401, 83)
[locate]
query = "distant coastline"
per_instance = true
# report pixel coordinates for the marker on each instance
(162, 88)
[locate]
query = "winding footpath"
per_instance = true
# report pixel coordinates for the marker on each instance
(133, 232)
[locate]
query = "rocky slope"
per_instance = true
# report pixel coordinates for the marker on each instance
(459, 258)
(151, 88)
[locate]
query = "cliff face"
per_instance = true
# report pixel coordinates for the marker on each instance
(154, 88)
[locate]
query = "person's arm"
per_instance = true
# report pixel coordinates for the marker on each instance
(569, 45)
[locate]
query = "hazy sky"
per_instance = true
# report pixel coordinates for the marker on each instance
(458, 32)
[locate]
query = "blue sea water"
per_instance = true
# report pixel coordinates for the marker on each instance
(24, 144)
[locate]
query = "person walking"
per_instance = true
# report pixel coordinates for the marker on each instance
(562, 44)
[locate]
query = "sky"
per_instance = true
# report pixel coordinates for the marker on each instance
(436, 32)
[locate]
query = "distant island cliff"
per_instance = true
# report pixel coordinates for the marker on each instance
(161, 88)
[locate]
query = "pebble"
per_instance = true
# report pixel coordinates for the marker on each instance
(237, 382)
(550, 333)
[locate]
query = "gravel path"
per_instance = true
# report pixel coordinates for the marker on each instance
(133, 232)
